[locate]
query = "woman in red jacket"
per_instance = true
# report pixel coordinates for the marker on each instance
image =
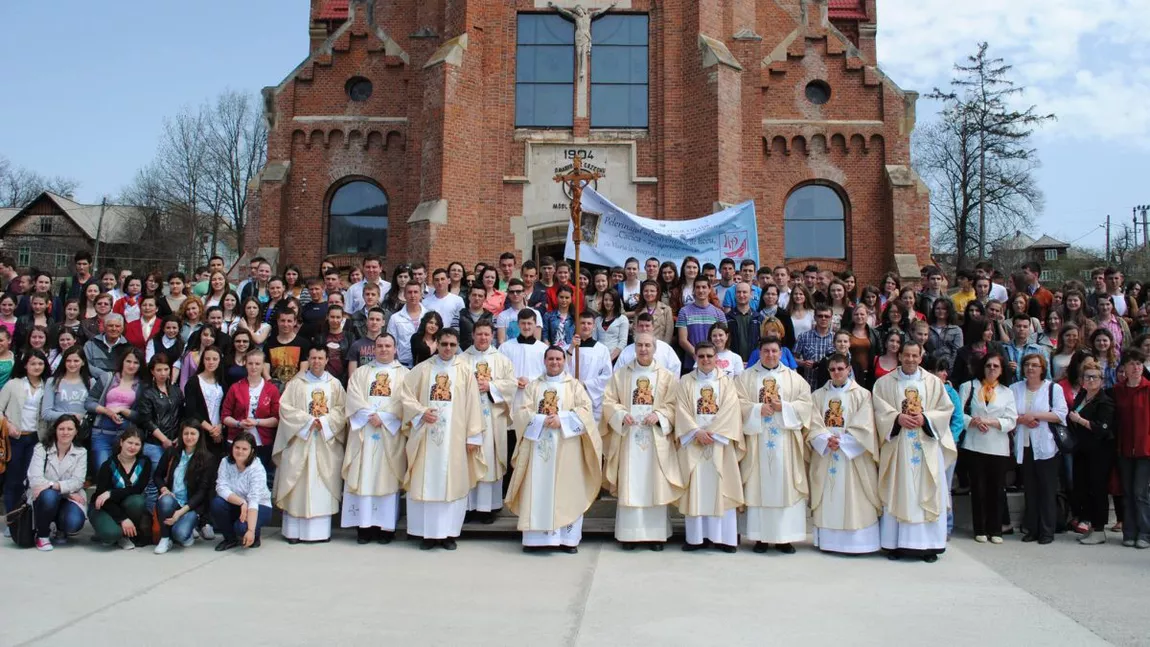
(148, 326)
(1132, 422)
(253, 405)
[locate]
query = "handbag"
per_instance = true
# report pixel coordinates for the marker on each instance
(21, 521)
(1063, 438)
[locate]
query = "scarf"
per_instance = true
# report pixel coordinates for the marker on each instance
(987, 392)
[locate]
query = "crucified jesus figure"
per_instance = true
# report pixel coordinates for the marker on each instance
(582, 18)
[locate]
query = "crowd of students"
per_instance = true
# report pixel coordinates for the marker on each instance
(163, 392)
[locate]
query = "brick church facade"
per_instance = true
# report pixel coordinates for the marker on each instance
(430, 129)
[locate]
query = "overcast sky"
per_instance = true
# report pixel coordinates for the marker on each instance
(88, 84)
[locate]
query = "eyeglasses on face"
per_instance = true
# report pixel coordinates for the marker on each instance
(1091, 377)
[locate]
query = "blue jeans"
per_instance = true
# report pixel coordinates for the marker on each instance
(51, 506)
(154, 453)
(103, 443)
(21, 458)
(180, 531)
(226, 519)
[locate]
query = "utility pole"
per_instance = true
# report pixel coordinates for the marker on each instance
(1144, 208)
(1107, 238)
(99, 231)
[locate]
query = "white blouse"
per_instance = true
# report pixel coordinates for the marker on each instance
(1041, 438)
(995, 442)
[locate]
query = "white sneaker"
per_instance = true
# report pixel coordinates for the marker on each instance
(7, 532)
(996, 540)
(126, 544)
(44, 544)
(164, 546)
(188, 544)
(207, 532)
(980, 539)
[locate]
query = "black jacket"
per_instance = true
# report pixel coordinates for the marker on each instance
(1100, 413)
(196, 409)
(159, 411)
(467, 328)
(198, 482)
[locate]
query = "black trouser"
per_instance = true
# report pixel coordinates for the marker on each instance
(1041, 493)
(511, 439)
(1135, 473)
(1092, 467)
(987, 476)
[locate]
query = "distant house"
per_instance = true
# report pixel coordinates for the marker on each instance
(48, 231)
(1008, 254)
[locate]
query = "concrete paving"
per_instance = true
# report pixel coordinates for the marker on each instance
(489, 593)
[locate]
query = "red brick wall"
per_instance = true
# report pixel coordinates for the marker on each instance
(706, 140)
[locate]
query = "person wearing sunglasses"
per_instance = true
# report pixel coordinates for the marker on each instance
(845, 504)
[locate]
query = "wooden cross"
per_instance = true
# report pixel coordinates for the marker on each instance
(575, 180)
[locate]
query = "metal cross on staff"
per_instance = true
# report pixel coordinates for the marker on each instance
(575, 180)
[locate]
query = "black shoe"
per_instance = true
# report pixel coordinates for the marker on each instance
(448, 544)
(1045, 540)
(930, 559)
(627, 545)
(255, 544)
(291, 542)
(471, 516)
(761, 547)
(570, 550)
(785, 549)
(656, 546)
(384, 537)
(727, 549)
(487, 519)
(1029, 538)
(1007, 531)
(427, 544)
(226, 544)
(893, 556)
(363, 535)
(533, 549)
(690, 548)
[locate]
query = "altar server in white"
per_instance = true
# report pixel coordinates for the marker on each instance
(496, 382)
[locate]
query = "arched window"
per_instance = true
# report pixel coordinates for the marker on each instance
(358, 220)
(815, 223)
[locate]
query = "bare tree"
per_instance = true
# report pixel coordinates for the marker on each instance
(237, 148)
(978, 159)
(19, 186)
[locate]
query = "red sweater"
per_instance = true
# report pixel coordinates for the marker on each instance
(1132, 415)
(236, 406)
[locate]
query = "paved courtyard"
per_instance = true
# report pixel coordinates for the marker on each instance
(489, 593)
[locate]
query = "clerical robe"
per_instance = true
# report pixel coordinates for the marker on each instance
(642, 464)
(594, 372)
(844, 482)
(774, 469)
(713, 486)
(526, 355)
(440, 470)
(309, 479)
(376, 458)
(912, 462)
(495, 406)
(557, 473)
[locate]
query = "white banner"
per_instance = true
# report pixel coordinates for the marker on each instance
(611, 235)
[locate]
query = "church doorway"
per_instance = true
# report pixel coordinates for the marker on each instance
(549, 241)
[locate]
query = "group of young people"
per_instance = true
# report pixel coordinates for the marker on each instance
(750, 398)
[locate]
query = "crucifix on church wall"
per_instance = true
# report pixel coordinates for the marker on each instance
(582, 17)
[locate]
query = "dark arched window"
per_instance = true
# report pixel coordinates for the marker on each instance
(358, 220)
(815, 223)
